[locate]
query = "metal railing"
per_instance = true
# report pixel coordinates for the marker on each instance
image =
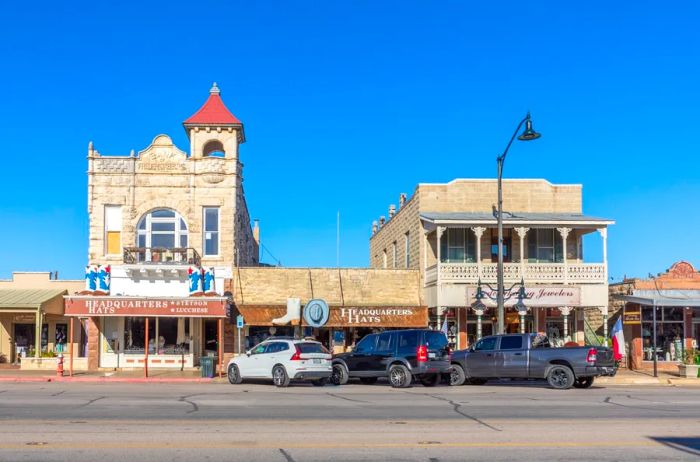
(162, 256)
(574, 273)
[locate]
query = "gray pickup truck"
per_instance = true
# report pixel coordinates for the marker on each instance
(530, 356)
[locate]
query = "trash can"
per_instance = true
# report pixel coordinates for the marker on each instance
(206, 364)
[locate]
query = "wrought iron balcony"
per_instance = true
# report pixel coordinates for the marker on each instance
(161, 256)
(539, 273)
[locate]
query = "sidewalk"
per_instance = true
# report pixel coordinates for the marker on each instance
(628, 377)
(156, 376)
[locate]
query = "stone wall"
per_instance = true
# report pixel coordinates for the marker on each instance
(405, 221)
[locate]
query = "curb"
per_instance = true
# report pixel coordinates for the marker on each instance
(108, 379)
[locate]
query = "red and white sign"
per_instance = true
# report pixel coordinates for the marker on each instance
(203, 307)
(536, 296)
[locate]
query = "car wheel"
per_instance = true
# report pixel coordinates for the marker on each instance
(457, 376)
(319, 382)
(583, 382)
(474, 381)
(280, 377)
(368, 380)
(234, 375)
(339, 375)
(400, 376)
(430, 380)
(560, 377)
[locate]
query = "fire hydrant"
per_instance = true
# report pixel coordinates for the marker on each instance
(59, 365)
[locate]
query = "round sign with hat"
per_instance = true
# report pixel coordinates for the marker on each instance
(316, 312)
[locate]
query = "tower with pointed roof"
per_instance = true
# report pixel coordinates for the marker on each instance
(213, 130)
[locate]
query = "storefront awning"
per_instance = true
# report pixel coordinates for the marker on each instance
(31, 300)
(341, 316)
(661, 301)
(202, 307)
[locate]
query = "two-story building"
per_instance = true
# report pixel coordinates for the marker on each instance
(167, 228)
(449, 232)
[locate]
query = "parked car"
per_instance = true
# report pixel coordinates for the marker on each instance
(282, 360)
(529, 356)
(399, 355)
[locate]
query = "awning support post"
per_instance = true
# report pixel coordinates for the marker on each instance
(145, 360)
(70, 348)
(221, 344)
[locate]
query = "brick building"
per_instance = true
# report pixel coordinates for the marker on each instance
(448, 231)
(675, 296)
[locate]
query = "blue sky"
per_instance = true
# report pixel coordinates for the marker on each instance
(348, 104)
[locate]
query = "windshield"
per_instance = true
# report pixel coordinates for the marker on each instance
(311, 347)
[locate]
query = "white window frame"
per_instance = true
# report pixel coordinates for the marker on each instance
(109, 226)
(218, 231)
(393, 254)
(408, 248)
(148, 232)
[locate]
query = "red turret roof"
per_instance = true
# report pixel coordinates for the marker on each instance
(213, 112)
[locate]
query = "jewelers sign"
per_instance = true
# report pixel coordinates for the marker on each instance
(536, 296)
(204, 307)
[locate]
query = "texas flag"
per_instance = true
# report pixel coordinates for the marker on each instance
(618, 340)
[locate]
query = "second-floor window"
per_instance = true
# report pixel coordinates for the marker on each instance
(211, 231)
(544, 246)
(162, 229)
(458, 245)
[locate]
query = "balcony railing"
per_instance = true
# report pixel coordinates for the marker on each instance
(572, 273)
(161, 256)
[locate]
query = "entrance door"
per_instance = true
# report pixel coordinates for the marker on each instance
(24, 339)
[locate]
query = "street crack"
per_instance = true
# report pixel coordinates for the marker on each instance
(195, 407)
(608, 400)
(286, 455)
(348, 399)
(456, 407)
(59, 393)
(92, 401)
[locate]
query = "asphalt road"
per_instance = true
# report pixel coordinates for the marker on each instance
(258, 422)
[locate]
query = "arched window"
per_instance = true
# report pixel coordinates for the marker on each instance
(213, 148)
(162, 228)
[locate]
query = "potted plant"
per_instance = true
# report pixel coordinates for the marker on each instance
(689, 367)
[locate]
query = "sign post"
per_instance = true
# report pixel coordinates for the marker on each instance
(239, 325)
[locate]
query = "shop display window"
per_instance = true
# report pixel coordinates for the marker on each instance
(669, 333)
(61, 337)
(135, 335)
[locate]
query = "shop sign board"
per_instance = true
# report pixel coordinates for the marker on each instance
(536, 296)
(316, 313)
(204, 307)
(239, 321)
(632, 317)
(345, 316)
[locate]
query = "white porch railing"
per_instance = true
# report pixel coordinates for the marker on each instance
(574, 273)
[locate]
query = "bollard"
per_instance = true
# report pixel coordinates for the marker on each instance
(59, 365)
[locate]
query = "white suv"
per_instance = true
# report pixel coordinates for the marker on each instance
(283, 360)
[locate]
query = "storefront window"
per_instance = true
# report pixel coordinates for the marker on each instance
(61, 337)
(486, 328)
(669, 333)
(173, 336)
(554, 326)
(257, 334)
(135, 335)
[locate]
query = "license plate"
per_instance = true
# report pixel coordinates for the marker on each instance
(317, 361)
(432, 355)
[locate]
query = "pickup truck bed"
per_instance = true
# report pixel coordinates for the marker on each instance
(530, 356)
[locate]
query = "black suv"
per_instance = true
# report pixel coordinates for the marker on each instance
(399, 355)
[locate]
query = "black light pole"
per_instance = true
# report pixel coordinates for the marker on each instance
(653, 345)
(527, 135)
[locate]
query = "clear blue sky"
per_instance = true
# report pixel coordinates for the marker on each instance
(348, 104)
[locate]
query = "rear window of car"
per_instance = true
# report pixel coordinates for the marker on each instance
(312, 348)
(512, 342)
(435, 340)
(408, 339)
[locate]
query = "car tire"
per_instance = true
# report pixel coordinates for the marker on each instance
(234, 375)
(457, 376)
(340, 375)
(280, 377)
(560, 377)
(583, 382)
(368, 380)
(430, 380)
(319, 382)
(400, 376)
(475, 381)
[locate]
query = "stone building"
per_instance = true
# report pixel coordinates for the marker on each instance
(448, 231)
(167, 228)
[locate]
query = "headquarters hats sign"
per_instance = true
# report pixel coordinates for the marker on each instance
(316, 313)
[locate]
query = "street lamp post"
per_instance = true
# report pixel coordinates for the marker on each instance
(527, 135)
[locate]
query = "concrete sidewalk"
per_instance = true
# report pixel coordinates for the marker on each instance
(138, 376)
(628, 377)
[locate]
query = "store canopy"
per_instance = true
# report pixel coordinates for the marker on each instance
(50, 300)
(684, 298)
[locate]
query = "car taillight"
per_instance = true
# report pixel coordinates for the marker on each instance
(297, 355)
(422, 353)
(592, 356)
